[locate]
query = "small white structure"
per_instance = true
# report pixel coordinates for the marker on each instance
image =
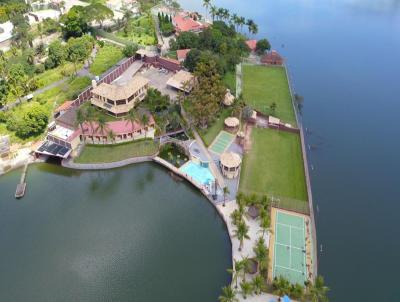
(229, 98)
(5, 35)
(230, 164)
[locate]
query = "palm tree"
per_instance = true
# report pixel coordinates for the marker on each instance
(111, 135)
(81, 118)
(242, 233)
(281, 286)
(144, 119)
(206, 4)
(228, 295)
(226, 15)
(265, 224)
(238, 269)
(234, 20)
(258, 284)
(213, 12)
(220, 13)
(317, 291)
(236, 217)
(261, 252)
(247, 288)
(254, 29)
(242, 22)
(101, 124)
(226, 192)
(132, 117)
(240, 198)
(297, 291)
(250, 25)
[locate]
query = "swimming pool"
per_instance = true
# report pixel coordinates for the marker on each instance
(200, 174)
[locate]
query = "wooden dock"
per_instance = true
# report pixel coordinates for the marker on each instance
(21, 187)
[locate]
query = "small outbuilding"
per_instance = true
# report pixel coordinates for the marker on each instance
(252, 45)
(181, 54)
(182, 80)
(229, 99)
(272, 58)
(230, 164)
(232, 124)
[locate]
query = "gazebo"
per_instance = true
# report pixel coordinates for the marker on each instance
(231, 124)
(230, 164)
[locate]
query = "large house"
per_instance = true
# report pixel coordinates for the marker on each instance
(184, 22)
(116, 99)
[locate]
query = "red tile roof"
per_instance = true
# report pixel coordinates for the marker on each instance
(181, 54)
(118, 127)
(273, 57)
(64, 106)
(252, 44)
(183, 22)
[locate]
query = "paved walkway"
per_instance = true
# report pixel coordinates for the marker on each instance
(238, 79)
(68, 163)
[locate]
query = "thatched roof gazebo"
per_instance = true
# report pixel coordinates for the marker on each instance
(231, 124)
(230, 164)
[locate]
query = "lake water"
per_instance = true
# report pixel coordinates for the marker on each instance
(344, 58)
(129, 234)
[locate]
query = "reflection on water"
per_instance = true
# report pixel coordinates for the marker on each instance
(92, 236)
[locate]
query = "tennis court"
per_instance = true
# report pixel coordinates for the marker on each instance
(290, 247)
(221, 142)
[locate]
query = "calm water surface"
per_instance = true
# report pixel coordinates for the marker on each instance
(129, 234)
(344, 58)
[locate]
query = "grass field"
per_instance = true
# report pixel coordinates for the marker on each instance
(230, 81)
(274, 165)
(264, 85)
(110, 153)
(53, 75)
(107, 56)
(209, 134)
(140, 30)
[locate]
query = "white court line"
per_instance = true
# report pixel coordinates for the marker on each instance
(291, 226)
(290, 269)
(290, 246)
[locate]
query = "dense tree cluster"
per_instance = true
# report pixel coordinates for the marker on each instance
(10, 8)
(165, 23)
(219, 43)
(208, 92)
(30, 121)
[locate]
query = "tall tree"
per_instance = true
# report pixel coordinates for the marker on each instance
(213, 12)
(317, 291)
(228, 295)
(132, 117)
(99, 13)
(206, 5)
(79, 50)
(18, 80)
(241, 233)
(236, 271)
(226, 193)
(246, 288)
(75, 22)
(207, 94)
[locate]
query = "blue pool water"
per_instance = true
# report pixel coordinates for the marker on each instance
(201, 175)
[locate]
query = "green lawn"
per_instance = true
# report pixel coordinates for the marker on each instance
(53, 75)
(274, 165)
(107, 57)
(212, 131)
(230, 81)
(264, 85)
(140, 31)
(112, 153)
